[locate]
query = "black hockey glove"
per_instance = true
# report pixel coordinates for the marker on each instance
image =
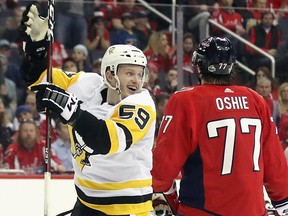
(166, 203)
(33, 29)
(62, 103)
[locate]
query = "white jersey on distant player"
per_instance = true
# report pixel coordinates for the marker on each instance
(105, 180)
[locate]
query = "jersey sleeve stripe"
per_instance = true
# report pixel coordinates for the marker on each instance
(113, 137)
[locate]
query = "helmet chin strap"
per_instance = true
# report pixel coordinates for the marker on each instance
(117, 88)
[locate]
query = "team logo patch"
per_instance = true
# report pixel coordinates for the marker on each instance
(211, 68)
(228, 90)
(111, 50)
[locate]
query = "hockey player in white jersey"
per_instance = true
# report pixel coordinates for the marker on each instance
(111, 118)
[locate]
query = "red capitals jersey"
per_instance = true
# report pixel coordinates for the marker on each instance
(228, 19)
(20, 158)
(224, 141)
(59, 54)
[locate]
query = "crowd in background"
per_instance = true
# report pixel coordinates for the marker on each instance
(85, 29)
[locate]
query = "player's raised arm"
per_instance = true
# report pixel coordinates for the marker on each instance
(33, 30)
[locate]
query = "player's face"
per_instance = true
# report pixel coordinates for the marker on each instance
(131, 79)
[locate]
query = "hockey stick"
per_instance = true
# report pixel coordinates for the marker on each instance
(47, 174)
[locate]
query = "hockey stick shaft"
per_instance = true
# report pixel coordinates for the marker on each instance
(47, 174)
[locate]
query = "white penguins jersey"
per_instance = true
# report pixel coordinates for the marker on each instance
(111, 145)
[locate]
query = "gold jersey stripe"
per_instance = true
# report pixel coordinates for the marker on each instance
(115, 185)
(113, 136)
(140, 209)
(60, 78)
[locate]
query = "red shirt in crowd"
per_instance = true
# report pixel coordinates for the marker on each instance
(19, 157)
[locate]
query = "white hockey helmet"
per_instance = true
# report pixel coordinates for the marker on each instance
(120, 54)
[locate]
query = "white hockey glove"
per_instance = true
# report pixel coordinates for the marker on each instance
(33, 30)
(62, 103)
(33, 25)
(166, 203)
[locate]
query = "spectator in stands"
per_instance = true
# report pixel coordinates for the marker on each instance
(264, 72)
(241, 7)
(27, 151)
(5, 127)
(160, 24)
(126, 6)
(142, 28)
(126, 35)
(105, 7)
(7, 88)
(160, 52)
(153, 82)
(13, 71)
(39, 118)
(69, 64)
(171, 82)
(97, 66)
(80, 56)
(189, 44)
(10, 31)
(227, 17)
(266, 36)
(281, 59)
(264, 88)
(283, 109)
(59, 54)
(280, 9)
(197, 16)
(233, 21)
(62, 145)
(255, 13)
(161, 101)
(71, 27)
(22, 112)
(98, 39)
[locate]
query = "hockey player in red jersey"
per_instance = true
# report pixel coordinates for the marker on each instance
(223, 140)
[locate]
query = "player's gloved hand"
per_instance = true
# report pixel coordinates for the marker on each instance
(33, 26)
(52, 97)
(33, 29)
(160, 205)
(168, 199)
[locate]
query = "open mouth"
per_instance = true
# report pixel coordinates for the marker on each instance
(132, 88)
